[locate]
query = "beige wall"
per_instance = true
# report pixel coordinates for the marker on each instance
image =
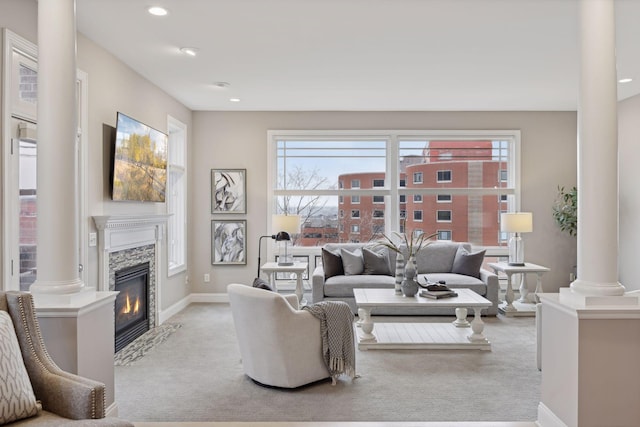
(629, 154)
(239, 140)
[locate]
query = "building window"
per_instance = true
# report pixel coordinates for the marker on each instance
(355, 183)
(444, 198)
(378, 183)
(503, 197)
(355, 200)
(403, 198)
(355, 228)
(403, 213)
(417, 198)
(403, 183)
(504, 176)
(378, 213)
(176, 196)
(341, 213)
(417, 177)
(340, 184)
(341, 199)
(378, 199)
(444, 234)
(443, 216)
(444, 176)
(355, 213)
(417, 215)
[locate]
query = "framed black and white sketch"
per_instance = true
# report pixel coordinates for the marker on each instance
(228, 243)
(228, 191)
(291, 276)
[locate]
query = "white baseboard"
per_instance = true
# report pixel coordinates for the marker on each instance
(112, 410)
(546, 417)
(164, 315)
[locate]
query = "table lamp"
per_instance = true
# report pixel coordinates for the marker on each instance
(287, 224)
(516, 223)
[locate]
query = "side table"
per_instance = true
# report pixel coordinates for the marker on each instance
(523, 306)
(298, 268)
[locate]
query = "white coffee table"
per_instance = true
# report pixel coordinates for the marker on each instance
(400, 335)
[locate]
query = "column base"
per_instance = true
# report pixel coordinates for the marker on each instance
(56, 287)
(585, 287)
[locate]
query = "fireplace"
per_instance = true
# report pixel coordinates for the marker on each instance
(131, 307)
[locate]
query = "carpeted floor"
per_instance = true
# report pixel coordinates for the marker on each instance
(196, 375)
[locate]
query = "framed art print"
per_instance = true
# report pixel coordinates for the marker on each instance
(228, 191)
(228, 243)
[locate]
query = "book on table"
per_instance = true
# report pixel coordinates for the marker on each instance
(437, 294)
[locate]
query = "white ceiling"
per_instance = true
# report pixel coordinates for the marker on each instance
(360, 54)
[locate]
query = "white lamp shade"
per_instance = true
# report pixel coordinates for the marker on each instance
(520, 222)
(288, 223)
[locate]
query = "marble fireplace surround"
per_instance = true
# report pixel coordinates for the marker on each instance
(127, 240)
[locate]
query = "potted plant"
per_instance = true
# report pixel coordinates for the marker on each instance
(565, 210)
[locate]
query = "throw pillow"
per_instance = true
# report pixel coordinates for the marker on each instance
(332, 264)
(352, 262)
(468, 263)
(17, 400)
(262, 284)
(376, 262)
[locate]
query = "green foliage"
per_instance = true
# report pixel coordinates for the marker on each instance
(565, 210)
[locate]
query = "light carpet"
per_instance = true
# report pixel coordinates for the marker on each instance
(196, 375)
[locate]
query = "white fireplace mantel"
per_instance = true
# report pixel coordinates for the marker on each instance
(121, 232)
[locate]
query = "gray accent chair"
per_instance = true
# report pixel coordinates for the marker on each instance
(280, 345)
(67, 399)
(434, 263)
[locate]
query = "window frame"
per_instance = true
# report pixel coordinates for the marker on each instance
(438, 211)
(444, 180)
(509, 151)
(177, 206)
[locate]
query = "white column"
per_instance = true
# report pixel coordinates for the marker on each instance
(597, 153)
(56, 169)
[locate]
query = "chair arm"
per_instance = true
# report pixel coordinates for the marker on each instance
(83, 397)
(292, 299)
(317, 284)
(493, 287)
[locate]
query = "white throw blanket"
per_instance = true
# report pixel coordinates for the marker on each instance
(336, 328)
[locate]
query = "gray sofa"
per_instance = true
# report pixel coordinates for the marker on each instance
(435, 262)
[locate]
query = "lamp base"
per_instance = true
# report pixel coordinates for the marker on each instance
(285, 263)
(517, 264)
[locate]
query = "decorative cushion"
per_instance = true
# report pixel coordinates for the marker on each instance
(331, 264)
(468, 263)
(352, 262)
(17, 400)
(376, 262)
(262, 284)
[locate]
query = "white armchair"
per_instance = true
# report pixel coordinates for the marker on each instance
(280, 345)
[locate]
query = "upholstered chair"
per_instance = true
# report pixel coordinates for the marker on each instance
(62, 398)
(279, 345)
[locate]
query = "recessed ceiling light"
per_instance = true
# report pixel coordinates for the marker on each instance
(222, 85)
(234, 99)
(191, 51)
(157, 11)
(627, 80)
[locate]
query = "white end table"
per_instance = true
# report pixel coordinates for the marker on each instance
(523, 306)
(298, 268)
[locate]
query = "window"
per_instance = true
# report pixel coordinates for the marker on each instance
(443, 216)
(504, 176)
(341, 199)
(311, 171)
(378, 213)
(444, 176)
(444, 234)
(417, 215)
(503, 197)
(341, 213)
(355, 228)
(417, 198)
(176, 197)
(355, 200)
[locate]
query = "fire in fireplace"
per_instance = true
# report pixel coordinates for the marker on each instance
(131, 309)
